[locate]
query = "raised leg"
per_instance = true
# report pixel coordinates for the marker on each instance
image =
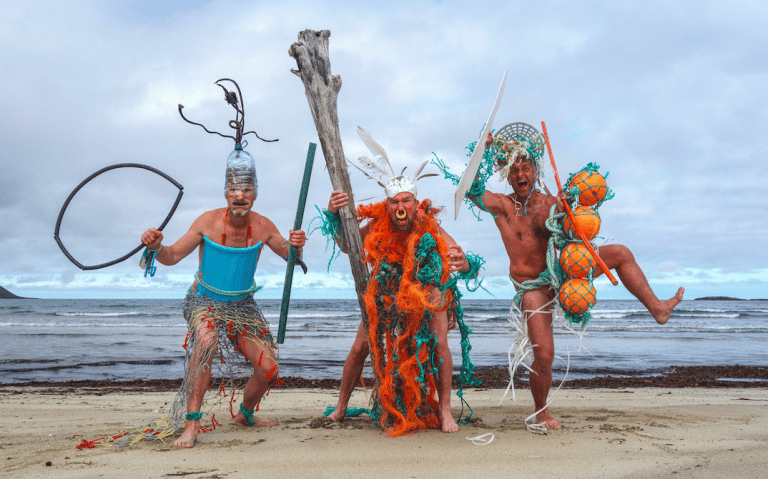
(353, 369)
(620, 258)
(539, 318)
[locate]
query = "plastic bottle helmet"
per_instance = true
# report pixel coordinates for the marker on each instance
(241, 167)
(241, 171)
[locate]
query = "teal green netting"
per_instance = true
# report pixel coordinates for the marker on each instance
(467, 372)
(330, 227)
(477, 189)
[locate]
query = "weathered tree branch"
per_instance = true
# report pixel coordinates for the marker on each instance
(322, 88)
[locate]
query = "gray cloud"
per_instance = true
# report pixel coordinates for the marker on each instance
(669, 98)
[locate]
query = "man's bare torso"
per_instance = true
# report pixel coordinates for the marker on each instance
(212, 226)
(525, 237)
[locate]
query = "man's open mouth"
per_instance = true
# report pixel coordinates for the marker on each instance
(522, 184)
(239, 204)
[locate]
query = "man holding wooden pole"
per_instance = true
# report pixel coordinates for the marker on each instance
(411, 303)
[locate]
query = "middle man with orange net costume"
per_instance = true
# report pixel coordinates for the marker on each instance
(411, 301)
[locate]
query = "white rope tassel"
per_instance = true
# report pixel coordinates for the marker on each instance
(521, 352)
(481, 440)
(539, 427)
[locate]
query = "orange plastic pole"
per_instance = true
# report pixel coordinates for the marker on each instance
(570, 213)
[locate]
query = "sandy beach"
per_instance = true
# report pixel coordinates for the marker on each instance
(629, 432)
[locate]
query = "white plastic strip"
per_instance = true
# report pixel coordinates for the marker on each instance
(482, 440)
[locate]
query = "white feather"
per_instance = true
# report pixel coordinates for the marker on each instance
(376, 149)
(416, 175)
(366, 174)
(426, 175)
(368, 164)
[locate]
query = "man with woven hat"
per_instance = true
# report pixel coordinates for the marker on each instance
(219, 306)
(411, 302)
(521, 218)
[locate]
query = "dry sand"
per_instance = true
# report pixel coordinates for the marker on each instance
(646, 432)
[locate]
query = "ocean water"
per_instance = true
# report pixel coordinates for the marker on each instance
(61, 340)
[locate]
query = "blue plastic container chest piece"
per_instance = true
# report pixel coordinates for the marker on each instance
(228, 269)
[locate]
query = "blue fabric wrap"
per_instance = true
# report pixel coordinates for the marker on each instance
(227, 269)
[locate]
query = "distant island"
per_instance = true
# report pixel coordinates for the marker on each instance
(5, 294)
(718, 298)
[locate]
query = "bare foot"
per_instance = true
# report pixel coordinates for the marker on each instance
(189, 436)
(338, 414)
(662, 314)
(447, 422)
(547, 421)
(241, 420)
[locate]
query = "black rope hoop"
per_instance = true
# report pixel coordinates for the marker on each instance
(135, 250)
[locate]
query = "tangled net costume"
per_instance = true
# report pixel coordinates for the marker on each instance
(218, 332)
(407, 269)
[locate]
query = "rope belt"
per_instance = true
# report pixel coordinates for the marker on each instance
(222, 292)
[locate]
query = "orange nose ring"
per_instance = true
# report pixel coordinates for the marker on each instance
(400, 214)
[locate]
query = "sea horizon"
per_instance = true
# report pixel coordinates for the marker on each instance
(125, 339)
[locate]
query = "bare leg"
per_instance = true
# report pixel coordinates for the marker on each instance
(353, 369)
(439, 324)
(256, 352)
(620, 258)
(205, 344)
(540, 333)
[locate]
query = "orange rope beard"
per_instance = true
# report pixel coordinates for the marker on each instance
(393, 354)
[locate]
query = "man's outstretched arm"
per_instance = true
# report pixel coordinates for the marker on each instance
(170, 255)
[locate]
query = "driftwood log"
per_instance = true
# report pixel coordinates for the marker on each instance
(322, 89)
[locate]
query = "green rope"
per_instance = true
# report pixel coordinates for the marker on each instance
(222, 292)
(330, 227)
(557, 242)
(351, 411)
(248, 414)
(544, 279)
(193, 416)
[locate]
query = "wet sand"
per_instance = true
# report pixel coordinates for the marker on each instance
(682, 432)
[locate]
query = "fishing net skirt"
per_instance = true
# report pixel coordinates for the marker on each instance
(219, 339)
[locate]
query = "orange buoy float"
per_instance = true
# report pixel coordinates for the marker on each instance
(587, 219)
(576, 260)
(577, 295)
(591, 187)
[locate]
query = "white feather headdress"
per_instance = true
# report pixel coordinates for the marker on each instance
(379, 165)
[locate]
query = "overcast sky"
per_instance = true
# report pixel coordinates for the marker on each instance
(669, 97)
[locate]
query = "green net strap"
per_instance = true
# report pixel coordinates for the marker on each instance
(222, 292)
(471, 278)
